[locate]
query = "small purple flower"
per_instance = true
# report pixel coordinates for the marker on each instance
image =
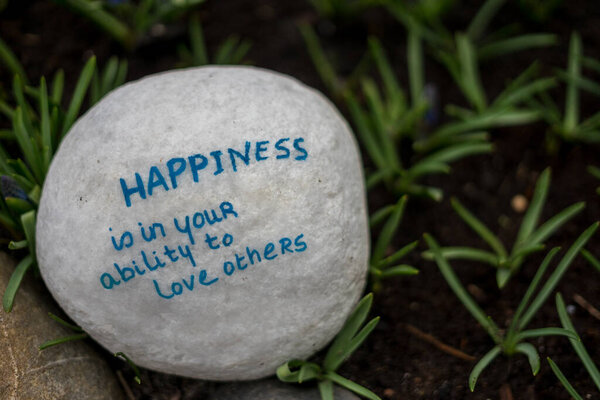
(10, 188)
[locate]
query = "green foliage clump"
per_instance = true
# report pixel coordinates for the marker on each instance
(512, 340)
(530, 237)
(345, 343)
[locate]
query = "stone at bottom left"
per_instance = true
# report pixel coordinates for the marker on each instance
(64, 372)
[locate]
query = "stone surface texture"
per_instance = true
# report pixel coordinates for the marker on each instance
(281, 170)
(275, 390)
(71, 371)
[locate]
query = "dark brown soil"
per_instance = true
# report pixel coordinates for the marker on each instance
(394, 362)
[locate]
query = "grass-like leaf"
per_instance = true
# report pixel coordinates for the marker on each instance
(594, 262)
(478, 227)
(532, 356)
(388, 230)
(561, 377)
(490, 327)
(79, 94)
(135, 368)
(346, 341)
(580, 349)
(556, 275)
(62, 340)
(482, 364)
(15, 282)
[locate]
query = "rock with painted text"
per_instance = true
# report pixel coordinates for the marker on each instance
(208, 222)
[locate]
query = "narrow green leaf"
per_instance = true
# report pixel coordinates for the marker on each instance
(532, 355)
(464, 253)
(460, 292)
(503, 275)
(350, 347)
(26, 143)
(15, 281)
(531, 217)
(525, 92)
(378, 119)
(65, 339)
(28, 222)
(525, 251)
(457, 152)
(551, 331)
(64, 323)
(11, 62)
(45, 126)
(591, 259)
(380, 215)
(478, 227)
(481, 365)
(561, 377)
(18, 206)
(573, 71)
(326, 390)
(519, 43)
(322, 64)
(17, 245)
(399, 270)
(365, 134)
(390, 83)
(79, 94)
(399, 254)
(553, 224)
(470, 80)
(58, 84)
(414, 53)
(285, 372)
(197, 44)
(132, 365)
(388, 231)
(307, 372)
(483, 18)
(580, 349)
(104, 20)
(355, 387)
(108, 75)
(344, 337)
(556, 275)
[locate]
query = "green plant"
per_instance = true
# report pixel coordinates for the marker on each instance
(461, 54)
(445, 45)
(382, 266)
(568, 126)
(513, 340)
(530, 237)
(127, 21)
(388, 121)
(38, 123)
(232, 51)
(594, 262)
(345, 343)
(579, 348)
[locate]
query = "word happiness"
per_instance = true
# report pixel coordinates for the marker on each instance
(219, 161)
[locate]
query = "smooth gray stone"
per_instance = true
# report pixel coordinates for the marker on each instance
(287, 183)
(275, 390)
(70, 371)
